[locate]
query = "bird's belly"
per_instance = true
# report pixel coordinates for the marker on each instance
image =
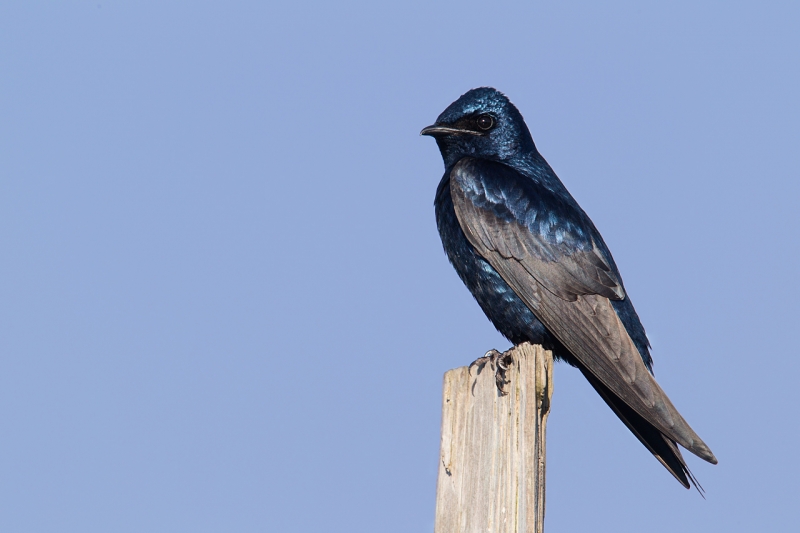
(499, 302)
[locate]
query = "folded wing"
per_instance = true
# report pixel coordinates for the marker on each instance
(551, 259)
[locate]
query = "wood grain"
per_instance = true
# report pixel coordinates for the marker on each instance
(492, 468)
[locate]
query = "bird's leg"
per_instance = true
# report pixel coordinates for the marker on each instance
(503, 363)
(500, 362)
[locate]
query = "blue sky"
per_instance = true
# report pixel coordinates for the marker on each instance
(224, 304)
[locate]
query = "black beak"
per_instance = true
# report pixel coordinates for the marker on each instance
(434, 131)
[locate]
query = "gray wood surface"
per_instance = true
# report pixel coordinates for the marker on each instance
(492, 457)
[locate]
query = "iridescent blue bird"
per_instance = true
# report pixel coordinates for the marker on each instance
(540, 270)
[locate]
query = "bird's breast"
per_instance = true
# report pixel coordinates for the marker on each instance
(499, 302)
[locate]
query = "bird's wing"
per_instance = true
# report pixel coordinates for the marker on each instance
(547, 251)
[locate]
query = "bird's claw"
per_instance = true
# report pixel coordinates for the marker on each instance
(500, 362)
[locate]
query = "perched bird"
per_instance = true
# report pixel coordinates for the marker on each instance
(540, 270)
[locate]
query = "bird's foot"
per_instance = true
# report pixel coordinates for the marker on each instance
(500, 363)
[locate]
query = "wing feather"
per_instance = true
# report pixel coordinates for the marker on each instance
(564, 278)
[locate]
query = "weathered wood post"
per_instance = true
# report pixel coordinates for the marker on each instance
(491, 473)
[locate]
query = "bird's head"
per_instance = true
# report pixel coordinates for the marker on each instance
(482, 123)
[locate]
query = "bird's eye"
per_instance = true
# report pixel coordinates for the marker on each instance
(485, 122)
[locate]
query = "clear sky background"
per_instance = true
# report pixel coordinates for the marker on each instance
(224, 305)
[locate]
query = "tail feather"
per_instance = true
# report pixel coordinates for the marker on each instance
(663, 448)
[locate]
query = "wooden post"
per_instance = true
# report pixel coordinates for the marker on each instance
(491, 473)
